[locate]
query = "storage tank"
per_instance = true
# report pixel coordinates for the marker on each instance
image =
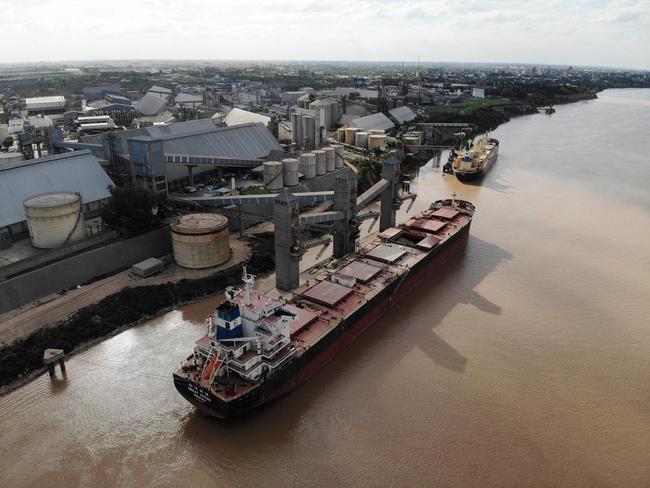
(376, 141)
(201, 240)
(349, 134)
(309, 131)
(334, 111)
(273, 175)
(330, 158)
(321, 162)
(361, 140)
(308, 165)
(290, 171)
(339, 161)
(296, 129)
(376, 131)
(340, 135)
(55, 219)
(411, 143)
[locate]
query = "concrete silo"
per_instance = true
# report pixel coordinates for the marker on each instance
(201, 240)
(55, 219)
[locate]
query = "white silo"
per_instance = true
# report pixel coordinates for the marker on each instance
(376, 141)
(340, 160)
(309, 131)
(55, 219)
(273, 175)
(290, 171)
(297, 135)
(321, 162)
(308, 165)
(330, 158)
(361, 140)
(349, 134)
(200, 240)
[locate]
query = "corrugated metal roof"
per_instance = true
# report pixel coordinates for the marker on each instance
(402, 114)
(247, 141)
(151, 104)
(373, 121)
(237, 117)
(78, 171)
(159, 89)
(187, 98)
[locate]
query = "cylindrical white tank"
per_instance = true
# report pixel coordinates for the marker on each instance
(273, 175)
(376, 131)
(340, 161)
(376, 141)
(55, 219)
(297, 134)
(330, 158)
(321, 162)
(340, 135)
(349, 134)
(334, 111)
(290, 171)
(361, 140)
(309, 131)
(201, 240)
(308, 165)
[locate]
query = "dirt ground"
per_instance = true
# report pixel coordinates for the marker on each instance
(47, 311)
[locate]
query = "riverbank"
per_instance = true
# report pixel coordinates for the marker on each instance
(21, 361)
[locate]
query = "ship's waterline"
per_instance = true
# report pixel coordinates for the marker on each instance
(525, 363)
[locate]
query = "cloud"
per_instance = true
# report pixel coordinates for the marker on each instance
(593, 32)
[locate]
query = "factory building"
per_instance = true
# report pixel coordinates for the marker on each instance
(237, 117)
(402, 115)
(77, 172)
(376, 121)
(291, 97)
(94, 93)
(53, 107)
(160, 92)
(185, 100)
(151, 104)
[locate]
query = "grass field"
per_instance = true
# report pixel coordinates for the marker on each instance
(468, 106)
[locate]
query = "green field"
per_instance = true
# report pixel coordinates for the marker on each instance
(468, 106)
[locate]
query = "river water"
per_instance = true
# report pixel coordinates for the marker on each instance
(525, 363)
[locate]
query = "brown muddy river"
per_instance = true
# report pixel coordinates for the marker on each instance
(525, 363)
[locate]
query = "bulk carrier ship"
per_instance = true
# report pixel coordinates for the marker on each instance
(260, 346)
(475, 159)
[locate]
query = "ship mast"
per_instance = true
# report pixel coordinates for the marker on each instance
(249, 281)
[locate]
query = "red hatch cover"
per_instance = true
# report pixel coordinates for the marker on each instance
(428, 225)
(445, 213)
(390, 232)
(327, 292)
(303, 317)
(428, 242)
(363, 272)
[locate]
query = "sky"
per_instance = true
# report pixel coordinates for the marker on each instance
(607, 33)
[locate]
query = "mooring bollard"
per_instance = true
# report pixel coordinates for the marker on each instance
(51, 357)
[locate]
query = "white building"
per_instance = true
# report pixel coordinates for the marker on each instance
(16, 125)
(53, 107)
(478, 92)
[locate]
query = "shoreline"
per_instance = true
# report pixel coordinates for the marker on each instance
(257, 260)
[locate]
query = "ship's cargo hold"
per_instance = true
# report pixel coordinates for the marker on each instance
(290, 171)
(308, 165)
(273, 175)
(55, 219)
(321, 162)
(376, 141)
(349, 134)
(330, 159)
(340, 161)
(201, 240)
(361, 140)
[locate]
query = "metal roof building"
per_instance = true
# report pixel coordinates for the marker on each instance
(77, 171)
(151, 104)
(402, 114)
(44, 103)
(238, 116)
(187, 99)
(373, 122)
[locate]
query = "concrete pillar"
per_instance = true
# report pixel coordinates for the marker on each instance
(346, 231)
(190, 173)
(287, 259)
(389, 200)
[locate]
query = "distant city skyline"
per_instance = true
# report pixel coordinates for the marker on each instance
(604, 33)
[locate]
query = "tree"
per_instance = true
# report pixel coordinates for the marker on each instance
(133, 210)
(8, 142)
